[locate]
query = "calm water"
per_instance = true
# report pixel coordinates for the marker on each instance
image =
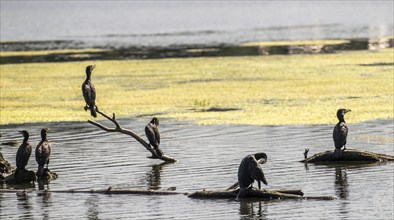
(156, 23)
(88, 158)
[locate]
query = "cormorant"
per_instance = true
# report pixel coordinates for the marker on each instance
(340, 133)
(153, 135)
(250, 170)
(43, 151)
(23, 153)
(89, 92)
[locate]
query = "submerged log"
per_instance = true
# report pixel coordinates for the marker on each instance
(119, 129)
(348, 155)
(256, 194)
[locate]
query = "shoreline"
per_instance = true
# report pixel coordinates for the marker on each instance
(69, 51)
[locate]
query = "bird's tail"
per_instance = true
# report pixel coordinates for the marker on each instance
(242, 192)
(337, 153)
(40, 171)
(93, 111)
(16, 174)
(158, 151)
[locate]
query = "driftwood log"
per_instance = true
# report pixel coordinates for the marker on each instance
(119, 129)
(256, 194)
(348, 155)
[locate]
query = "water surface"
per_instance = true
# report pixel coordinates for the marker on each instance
(156, 23)
(85, 157)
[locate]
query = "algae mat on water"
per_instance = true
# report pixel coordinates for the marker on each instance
(255, 90)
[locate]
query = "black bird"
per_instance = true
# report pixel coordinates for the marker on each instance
(250, 170)
(89, 92)
(153, 135)
(43, 151)
(340, 133)
(23, 153)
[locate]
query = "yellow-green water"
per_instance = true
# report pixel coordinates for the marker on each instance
(268, 90)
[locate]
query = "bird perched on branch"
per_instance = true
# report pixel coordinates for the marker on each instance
(153, 135)
(43, 151)
(250, 170)
(89, 92)
(340, 133)
(23, 153)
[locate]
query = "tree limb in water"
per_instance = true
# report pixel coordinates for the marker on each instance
(119, 129)
(348, 155)
(256, 194)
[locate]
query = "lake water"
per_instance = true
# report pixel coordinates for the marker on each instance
(86, 157)
(156, 23)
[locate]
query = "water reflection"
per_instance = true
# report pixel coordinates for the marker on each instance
(45, 201)
(24, 205)
(92, 212)
(153, 179)
(341, 184)
(247, 210)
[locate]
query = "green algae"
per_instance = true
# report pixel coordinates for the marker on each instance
(259, 90)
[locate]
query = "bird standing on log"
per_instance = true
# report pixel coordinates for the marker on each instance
(153, 135)
(23, 153)
(340, 133)
(250, 170)
(89, 92)
(43, 151)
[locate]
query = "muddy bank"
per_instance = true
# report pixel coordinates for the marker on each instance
(175, 51)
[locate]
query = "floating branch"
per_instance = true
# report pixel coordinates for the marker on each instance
(119, 129)
(253, 193)
(348, 155)
(256, 194)
(103, 191)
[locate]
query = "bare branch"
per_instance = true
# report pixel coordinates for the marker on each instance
(119, 129)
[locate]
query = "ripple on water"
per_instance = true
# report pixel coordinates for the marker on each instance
(86, 157)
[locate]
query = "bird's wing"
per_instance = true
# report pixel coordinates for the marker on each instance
(43, 151)
(150, 134)
(340, 133)
(157, 135)
(89, 93)
(256, 172)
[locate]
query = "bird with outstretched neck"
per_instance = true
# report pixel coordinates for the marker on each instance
(89, 92)
(23, 153)
(250, 170)
(340, 132)
(43, 151)
(153, 135)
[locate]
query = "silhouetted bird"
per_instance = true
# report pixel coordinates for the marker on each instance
(340, 133)
(43, 151)
(23, 153)
(153, 135)
(89, 92)
(250, 170)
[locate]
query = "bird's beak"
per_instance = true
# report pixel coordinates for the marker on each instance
(20, 132)
(94, 66)
(347, 110)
